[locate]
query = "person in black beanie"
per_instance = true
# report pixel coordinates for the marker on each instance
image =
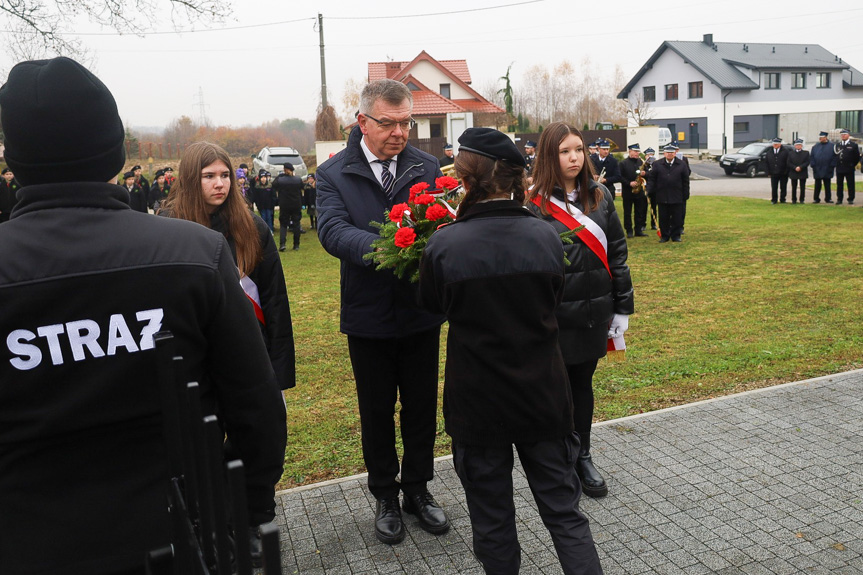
(8, 190)
(78, 368)
(506, 381)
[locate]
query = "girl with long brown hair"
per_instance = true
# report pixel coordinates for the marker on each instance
(598, 298)
(206, 192)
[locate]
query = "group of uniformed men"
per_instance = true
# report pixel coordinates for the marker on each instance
(824, 158)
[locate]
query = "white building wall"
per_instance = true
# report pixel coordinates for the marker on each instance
(432, 77)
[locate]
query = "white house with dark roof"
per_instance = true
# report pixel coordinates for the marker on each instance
(722, 95)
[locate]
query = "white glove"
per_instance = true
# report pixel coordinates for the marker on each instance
(619, 325)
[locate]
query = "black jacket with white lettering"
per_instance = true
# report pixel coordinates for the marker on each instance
(85, 282)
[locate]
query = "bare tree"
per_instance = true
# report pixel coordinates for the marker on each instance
(46, 23)
(327, 125)
(351, 99)
(639, 111)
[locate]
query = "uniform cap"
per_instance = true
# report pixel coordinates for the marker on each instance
(604, 144)
(649, 151)
(670, 148)
(530, 144)
(823, 134)
(635, 147)
(777, 140)
(798, 141)
(447, 146)
(844, 131)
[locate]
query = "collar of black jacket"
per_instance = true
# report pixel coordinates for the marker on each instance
(71, 195)
(495, 208)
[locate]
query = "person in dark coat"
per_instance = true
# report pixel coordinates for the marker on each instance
(846, 165)
(798, 170)
(606, 167)
(140, 180)
(529, 156)
(158, 192)
(447, 158)
(78, 370)
(9, 187)
(633, 193)
(823, 160)
(310, 198)
(137, 196)
(265, 198)
(668, 181)
(777, 169)
(649, 158)
(206, 193)
(598, 296)
(393, 344)
(506, 381)
(289, 189)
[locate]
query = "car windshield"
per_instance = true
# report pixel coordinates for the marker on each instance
(280, 159)
(752, 149)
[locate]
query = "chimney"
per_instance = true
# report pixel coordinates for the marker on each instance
(708, 39)
(393, 68)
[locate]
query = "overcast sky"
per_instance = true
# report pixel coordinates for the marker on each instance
(264, 62)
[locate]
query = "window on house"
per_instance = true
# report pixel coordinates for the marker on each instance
(413, 87)
(671, 91)
(822, 80)
(444, 90)
(650, 93)
(849, 120)
(798, 80)
(696, 89)
(771, 81)
(741, 127)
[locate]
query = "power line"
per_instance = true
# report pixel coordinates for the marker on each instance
(167, 32)
(450, 13)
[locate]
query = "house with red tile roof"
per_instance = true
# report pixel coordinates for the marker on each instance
(444, 103)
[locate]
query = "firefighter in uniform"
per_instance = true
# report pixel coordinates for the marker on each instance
(631, 169)
(849, 155)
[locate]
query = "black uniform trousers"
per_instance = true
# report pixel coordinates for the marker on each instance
(794, 182)
(581, 385)
(486, 475)
(670, 220)
(404, 368)
(637, 201)
(290, 218)
(778, 183)
(816, 193)
(841, 179)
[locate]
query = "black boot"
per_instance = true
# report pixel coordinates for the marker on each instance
(592, 483)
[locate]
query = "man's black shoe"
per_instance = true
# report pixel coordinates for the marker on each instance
(828, 201)
(389, 528)
(640, 234)
(663, 240)
(676, 240)
(282, 248)
(629, 234)
(302, 231)
(296, 248)
(431, 517)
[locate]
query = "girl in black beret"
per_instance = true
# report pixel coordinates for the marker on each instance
(598, 296)
(497, 274)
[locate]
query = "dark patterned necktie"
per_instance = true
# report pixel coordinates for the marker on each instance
(386, 176)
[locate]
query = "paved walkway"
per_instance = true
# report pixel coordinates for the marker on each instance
(768, 482)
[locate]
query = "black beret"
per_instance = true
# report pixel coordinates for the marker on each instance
(60, 123)
(490, 143)
(129, 174)
(136, 167)
(5, 171)
(159, 173)
(288, 166)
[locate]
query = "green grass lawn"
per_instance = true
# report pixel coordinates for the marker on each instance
(757, 294)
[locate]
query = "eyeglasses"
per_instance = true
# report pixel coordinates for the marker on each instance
(405, 125)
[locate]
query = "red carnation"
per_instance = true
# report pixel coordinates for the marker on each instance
(446, 183)
(418, 189)
(398, 212)
(424, 199)
(405, 237)
(436, 212)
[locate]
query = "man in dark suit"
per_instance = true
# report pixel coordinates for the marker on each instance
(668, 181)
(605, 162)
(823, 161)
(849, 155)
(529, 156)
(798, 164)
(447, 158)
(777, 168)
(633, 192)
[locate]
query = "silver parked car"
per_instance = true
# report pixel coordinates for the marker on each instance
(273, 159)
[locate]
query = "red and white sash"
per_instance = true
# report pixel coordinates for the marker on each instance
(251, 290)
(593, 237)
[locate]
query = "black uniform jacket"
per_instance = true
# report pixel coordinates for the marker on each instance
(612, 170)
(290, 192)
(592, 297)
(777, 162)
(796, 159)
(84, 474)
(497, 274)
(268, 275)
(629, 169)
(848, 158)
(157, 195)
(669, 183)
(823, 160)
(375, 304)
(137, 198)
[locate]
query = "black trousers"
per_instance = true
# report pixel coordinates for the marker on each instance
(581, 385)
(290, 219)
(639, 202)
(816, 194)
(778, 183)
(486, 475)
(404, 368)
(670, 220)
(313, 216)
(841, 179)
(794, 183)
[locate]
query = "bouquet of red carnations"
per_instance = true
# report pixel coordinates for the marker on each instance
(411, 224)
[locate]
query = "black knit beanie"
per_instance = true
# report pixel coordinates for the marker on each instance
(61, 124)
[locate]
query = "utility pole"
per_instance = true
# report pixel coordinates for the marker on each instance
(323, 63)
